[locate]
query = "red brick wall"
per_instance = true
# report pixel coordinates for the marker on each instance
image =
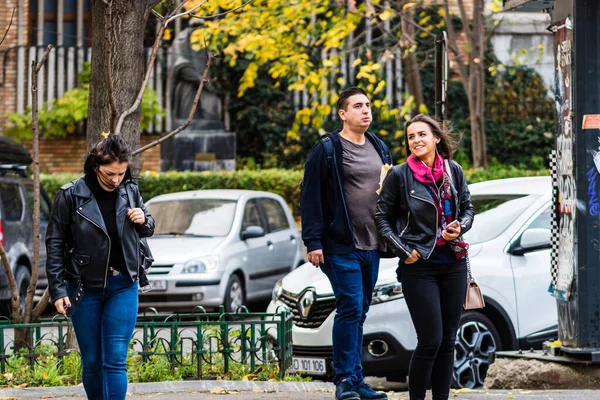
(8, 90)
(59, 155)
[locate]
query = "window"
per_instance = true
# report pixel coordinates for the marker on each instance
(276, 218)
(543, 221)
(251, 215)
(12, 203)
(494, 213)
(195, 217)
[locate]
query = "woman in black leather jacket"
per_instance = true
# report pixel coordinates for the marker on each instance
(423, 210)
(93, 242)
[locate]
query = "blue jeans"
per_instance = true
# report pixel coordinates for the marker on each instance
(353, 277)
(103, 322)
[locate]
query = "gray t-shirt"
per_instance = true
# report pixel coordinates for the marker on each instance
(362, 168)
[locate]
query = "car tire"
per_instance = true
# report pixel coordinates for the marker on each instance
(476, 340)
(235, 294)
(23, 278)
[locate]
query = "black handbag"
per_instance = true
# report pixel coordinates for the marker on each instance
(146, 258)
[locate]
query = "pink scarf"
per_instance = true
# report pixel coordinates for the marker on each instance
(437, 182)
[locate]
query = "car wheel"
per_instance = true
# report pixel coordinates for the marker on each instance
(477, 338)
(22, 277)
(235, 294)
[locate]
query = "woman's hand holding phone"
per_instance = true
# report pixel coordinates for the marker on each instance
(452, 231)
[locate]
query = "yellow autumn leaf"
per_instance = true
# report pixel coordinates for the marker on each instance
(356, 63)
(408, 5)
(385, 15)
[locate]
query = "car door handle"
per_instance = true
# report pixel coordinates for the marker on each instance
(269, 243)
(292, 238)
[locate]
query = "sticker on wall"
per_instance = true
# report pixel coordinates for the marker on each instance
(591, 121)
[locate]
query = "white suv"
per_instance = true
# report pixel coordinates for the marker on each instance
(510, 258)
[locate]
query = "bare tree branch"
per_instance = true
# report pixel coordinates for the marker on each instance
(157, 15)
(41, 306)
(35, 70)
(452, 44)
(14, 299)
(149, 67)
(174, 17)
(211, 57)
(466, 27)
(223, 13)
(108, 48)
(9, 25)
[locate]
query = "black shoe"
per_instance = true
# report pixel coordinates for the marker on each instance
(366, 392)
(344, 391)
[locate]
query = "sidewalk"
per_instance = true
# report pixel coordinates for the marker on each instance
(243, 390)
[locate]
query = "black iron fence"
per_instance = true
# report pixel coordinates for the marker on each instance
(206, 344)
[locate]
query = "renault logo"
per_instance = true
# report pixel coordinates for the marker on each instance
(306, 302)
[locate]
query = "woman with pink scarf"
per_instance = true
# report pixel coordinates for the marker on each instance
(423, 210)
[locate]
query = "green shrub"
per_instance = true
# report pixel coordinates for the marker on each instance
(283, 182)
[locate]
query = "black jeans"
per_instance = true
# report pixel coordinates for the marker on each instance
(434, 294)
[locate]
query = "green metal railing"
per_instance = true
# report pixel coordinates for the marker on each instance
(197, 339)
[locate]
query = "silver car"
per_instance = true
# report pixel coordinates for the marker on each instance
(219, 247)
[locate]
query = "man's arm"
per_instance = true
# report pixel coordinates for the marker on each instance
(311, 208)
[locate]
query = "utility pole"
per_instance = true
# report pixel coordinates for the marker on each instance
(576, 252)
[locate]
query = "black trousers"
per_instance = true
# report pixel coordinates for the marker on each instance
(434, 294)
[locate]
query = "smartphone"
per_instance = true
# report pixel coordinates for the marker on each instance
(453, 224)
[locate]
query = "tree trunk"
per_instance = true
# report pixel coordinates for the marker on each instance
(129, 18)
(411, 66)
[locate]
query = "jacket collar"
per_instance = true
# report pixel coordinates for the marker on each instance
(81, 189)
(377, 143)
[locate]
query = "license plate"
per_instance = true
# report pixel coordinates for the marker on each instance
(160, 285)
(312, 366)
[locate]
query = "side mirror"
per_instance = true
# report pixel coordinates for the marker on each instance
(533, 239)
(252, 232)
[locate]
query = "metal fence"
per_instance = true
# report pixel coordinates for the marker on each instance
(194, 340)
(515, 111)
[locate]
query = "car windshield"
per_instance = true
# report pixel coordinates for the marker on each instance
(495, 213)
(196, 217)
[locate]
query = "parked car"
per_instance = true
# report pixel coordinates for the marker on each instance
(16, 222)
(510, 258)
(214, 247)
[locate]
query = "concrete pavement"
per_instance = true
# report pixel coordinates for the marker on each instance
(238, 390)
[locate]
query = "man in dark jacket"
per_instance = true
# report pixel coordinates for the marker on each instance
(339, 195)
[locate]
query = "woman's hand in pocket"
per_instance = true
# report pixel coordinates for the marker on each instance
(62, 304)
(413, 257)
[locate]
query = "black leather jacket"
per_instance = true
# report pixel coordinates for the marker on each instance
(406, 216)
(77, 244)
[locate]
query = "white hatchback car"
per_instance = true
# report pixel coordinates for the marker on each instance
(219, 247)
(510, 258)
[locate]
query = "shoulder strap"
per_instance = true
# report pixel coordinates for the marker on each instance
(328, 145)
(449, 169)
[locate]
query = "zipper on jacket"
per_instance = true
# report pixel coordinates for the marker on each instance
(109, 244)
(337, 173)
(406, 227)
(436, 221)
(393, 239)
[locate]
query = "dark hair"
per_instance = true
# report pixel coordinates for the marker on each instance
(347, 93)
(448, 142)
(107, 151)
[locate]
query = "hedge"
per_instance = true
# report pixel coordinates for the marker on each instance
(286, 183)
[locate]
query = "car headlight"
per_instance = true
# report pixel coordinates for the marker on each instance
(277, 291)
(387, 292)
(201, 265)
